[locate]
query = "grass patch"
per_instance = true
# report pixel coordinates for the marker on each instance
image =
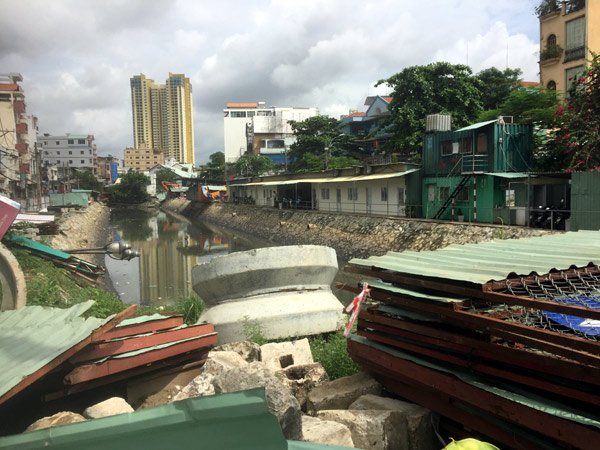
(332, 352)
(254, 331)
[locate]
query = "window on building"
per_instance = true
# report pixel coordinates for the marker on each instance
(46, 153)
(71, 141)
(466, 145)
(238, 113)
(82, 152)
(70, 152)
(430, 192)
(352, 194)
(81, 141)
(90, 161)
(571, 75)
(444, 193)
(384, 194)
(325, 194)
(575, 39)
(83, 161)
(509, 197)
(70, 161)
(482, 143)
(275, 143)
(90, 152)
(463, 195)
(250, 113)
(551, 40)
(551, 86)
(57, 142)
(45, 142)
(401, 196)
(446, 148)
(58, 153)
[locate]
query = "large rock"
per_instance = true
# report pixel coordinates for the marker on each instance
(418, 419)
(277, 356)
(372, 429)
(304, 378)
(219, 362)
(341, 393)
(246, 349)
(60, 418)
(110, 407)
(326, 432)
(280, 400)
(200, 386)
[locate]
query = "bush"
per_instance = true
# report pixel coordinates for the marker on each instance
(332, 352)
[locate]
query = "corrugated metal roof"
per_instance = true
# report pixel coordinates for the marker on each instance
(477, 125)
(510, 174)
(494, 260)
(239, 420)
(33, 336)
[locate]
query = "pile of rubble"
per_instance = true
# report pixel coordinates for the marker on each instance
(349, 411)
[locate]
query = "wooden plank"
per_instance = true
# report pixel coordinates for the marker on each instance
(111, 366)
(114, 347)
(150, 326)
(63, 357)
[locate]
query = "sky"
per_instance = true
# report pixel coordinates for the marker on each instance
(77, 56)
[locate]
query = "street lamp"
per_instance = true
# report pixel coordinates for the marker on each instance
(115, 250)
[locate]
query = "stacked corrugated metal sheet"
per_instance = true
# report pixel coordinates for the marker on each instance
(50, 353)
(500, 338)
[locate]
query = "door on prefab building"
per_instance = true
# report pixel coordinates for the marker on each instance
(338, 199)
(368, 201)
(401, 202)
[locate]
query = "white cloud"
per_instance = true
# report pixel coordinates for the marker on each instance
(77, 57)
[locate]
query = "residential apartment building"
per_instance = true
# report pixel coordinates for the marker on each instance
(19, 162)
(365, 126)
(163, 116)
(68, 152)
(107, 168)
(254, 128)
(569, 33)
(142, 159)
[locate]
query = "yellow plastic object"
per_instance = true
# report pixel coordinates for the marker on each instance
(469, 444)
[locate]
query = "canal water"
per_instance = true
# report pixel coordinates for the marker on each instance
(169, 249)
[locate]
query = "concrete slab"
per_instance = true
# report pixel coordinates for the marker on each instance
(12, 279)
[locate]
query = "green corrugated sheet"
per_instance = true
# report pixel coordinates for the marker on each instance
(585, 201)
(142, 319)
(38, 246)
(33, 336)
(70, 199)
(477, 125)
(239, 420)
(530, 400)
(494, 260)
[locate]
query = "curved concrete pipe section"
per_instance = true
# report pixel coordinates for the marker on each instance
(14, 291)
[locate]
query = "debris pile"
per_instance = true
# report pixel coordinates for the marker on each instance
(499, 338)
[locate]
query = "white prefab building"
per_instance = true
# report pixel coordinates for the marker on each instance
(70, 151)
(257, 129)
(382, 193)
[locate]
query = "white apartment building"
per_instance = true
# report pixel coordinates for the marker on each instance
(69, 151)
(257, 129)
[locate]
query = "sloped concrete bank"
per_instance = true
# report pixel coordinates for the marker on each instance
(350, 235)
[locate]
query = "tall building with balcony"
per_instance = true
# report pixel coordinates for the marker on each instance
(569, 33)
(253, 128)
(163, 116)
(19, 162)
(68, 152)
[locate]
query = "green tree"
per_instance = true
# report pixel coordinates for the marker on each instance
(131, 189)
(85, 179)
(528, 106)
(320, 144)
(164, 175)
(417, 91)
(578, 121)
(215, 168)
(496, 85)
(253, 165)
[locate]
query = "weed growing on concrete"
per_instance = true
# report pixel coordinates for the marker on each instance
(254, 331)
(190, 307)
(332, 352)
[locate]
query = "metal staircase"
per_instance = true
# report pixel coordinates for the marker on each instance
(459, 187)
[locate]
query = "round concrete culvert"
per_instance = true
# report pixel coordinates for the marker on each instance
(14, 290)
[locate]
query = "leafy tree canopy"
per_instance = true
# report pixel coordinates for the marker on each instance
(253, 165)
(215, 168)
(534, 106)
(417, 91)
(320, 144)
(85, 179)
(131, 189)
(496, 85)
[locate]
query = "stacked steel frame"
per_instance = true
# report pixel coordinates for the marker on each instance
(515, 360)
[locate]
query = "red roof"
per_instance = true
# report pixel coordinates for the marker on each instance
(9, 87)
(241, 105)
(529, 84)
(356, 114)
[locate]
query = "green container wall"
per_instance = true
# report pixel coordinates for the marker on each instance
(70, 199)
(414, 187)
(511, 154)
(585, 201)
(487, 197)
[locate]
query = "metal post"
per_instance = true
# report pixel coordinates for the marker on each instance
(475, 198)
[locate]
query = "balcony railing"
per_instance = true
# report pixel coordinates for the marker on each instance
(474, 164)
(551, 52)
(575, 53)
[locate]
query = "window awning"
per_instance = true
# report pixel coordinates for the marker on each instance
(375, 176)
(477, 125)
(510, 175)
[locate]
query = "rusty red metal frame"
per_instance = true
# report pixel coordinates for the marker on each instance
(532, 279)
(110, 348)
(111, 366)
(489, 350)
(564, 431)
(94, 336)
(150, 326)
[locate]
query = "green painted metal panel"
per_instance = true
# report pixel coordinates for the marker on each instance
(33, 336)
(494, 260)
(476, 126)
(585, 201)
(239, 420)
(38, 247)
(70, 199)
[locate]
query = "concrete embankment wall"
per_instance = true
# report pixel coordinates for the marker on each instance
(350, 235)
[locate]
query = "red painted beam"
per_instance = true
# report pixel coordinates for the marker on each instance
(565, 431)
(150, 326)
(110, 348)
(111, 366)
